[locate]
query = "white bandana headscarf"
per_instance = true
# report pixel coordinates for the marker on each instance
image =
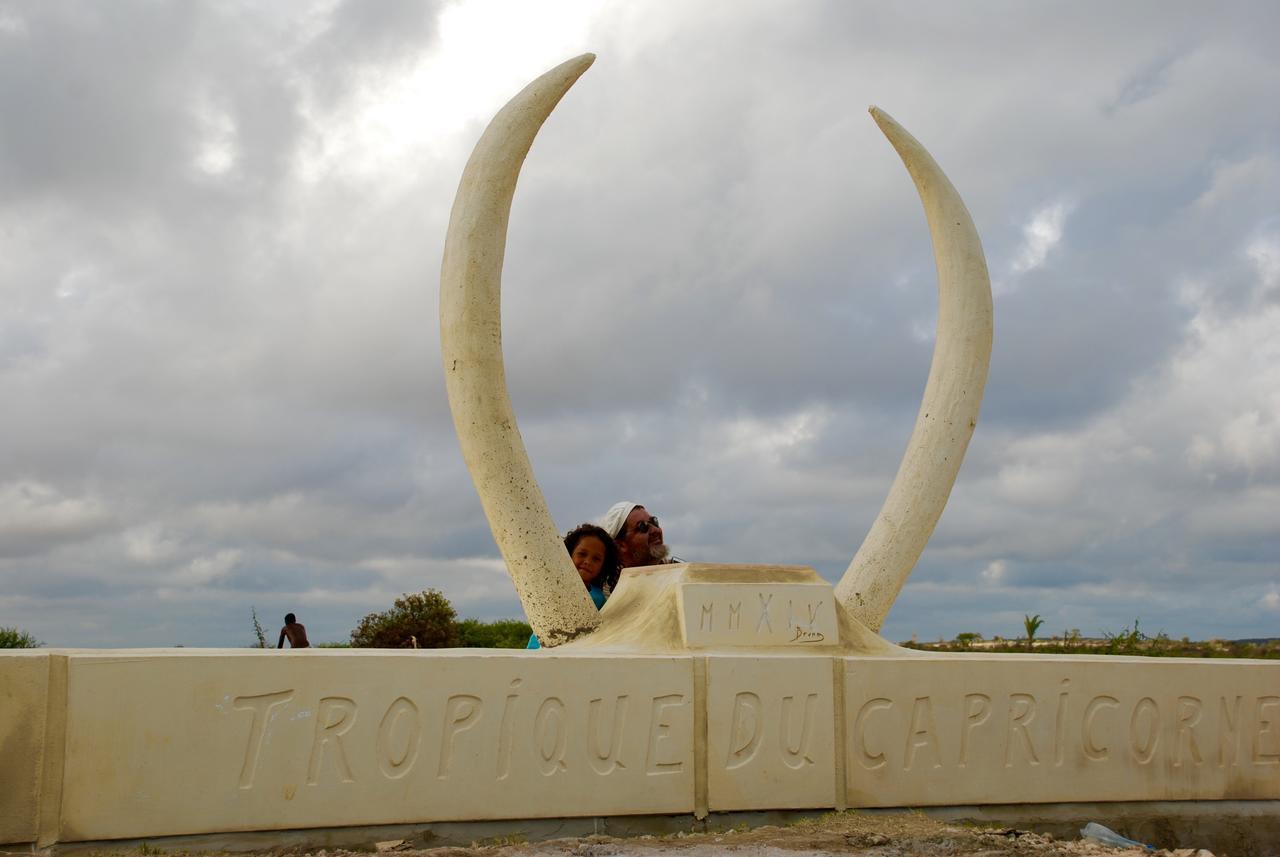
(616, 517)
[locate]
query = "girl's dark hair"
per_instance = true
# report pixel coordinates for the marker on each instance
(612, 567)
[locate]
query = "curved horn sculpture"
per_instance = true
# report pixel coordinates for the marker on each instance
(952, 395)
(558, 606)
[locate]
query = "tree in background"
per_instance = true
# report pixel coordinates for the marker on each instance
(500, 634)
(1032, 624)
(12, 638)
(424, 620)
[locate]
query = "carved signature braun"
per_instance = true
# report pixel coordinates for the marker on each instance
(803, 636)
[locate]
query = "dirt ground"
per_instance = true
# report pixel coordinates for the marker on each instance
(849, 833)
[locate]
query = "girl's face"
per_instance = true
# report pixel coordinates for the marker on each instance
(588, 557)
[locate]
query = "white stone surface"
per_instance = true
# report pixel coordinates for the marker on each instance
(184, 743)
(770, 733)
(175, 742)
(24, 687)
(1014, 729)
(952, 395)
(554, 599)
(715, 615)
(782, 609)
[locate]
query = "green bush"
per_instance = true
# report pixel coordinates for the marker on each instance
(426, 618)
(501, 634)
(12, 638)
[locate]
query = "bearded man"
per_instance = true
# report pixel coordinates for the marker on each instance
(637, 534)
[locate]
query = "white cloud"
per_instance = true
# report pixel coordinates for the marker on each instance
(36, 516)
(1264, 253)
(150, 544)
(487, 50)
(1233, 180)
(11, 24)
(205, 570)
(995, 571)
(759, 441)
(1041, 233)
(218, 150)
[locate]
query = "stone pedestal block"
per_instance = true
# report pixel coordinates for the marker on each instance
(141, 744)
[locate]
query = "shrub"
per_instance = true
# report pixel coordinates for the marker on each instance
(501, 634)
(259, 635)
(12, 638)
(426, 617)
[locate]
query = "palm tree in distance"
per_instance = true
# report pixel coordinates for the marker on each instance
(1032, 624)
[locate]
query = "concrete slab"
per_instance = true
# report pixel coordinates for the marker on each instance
(24, 691)
(771, 733)
(145, 744)
(1041, 729)
(187, 743)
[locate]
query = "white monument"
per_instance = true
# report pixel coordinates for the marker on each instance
(697, 689)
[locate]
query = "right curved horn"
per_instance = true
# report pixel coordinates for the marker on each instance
(952, 395)
(554, 599)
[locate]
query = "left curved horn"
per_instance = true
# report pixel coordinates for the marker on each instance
(952, 395)
(554, 599)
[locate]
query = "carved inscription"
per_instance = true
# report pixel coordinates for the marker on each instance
(771, 731)
(335, 718)
(795, 753)
(766, 599)
(1180, 731)
(605, 761)
(977, 708)
(658, 757)
(262, 705)
(549, 730)
(790, 732)
(1022, 710)
(922, 733)
(504, 730)
(743, 614)
(461, 712)
(1266, 738)
(398, 736)
(744, 730)
(551, 736)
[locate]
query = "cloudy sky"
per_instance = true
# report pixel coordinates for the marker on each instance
(221, 227)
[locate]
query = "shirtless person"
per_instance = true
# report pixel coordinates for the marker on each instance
(295, 631)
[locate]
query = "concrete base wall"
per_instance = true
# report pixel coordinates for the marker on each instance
(130, 745)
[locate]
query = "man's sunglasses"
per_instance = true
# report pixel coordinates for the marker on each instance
(643, 526)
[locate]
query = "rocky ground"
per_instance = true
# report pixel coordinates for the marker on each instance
(879, 835)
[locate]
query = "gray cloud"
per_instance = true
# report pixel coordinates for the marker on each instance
(222, 229)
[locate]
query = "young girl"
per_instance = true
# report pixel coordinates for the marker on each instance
(595, 556)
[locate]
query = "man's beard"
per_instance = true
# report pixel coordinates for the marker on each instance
(657, 553)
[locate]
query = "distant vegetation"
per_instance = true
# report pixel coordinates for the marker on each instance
(1129, 641)
(13, 638)
(500, 634)
(259, 635)
(423, 620)
(426, 620)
